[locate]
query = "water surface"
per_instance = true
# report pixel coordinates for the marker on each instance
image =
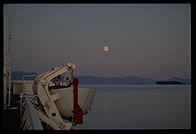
(139, 107)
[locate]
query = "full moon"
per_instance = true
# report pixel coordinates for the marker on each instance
(106, 48)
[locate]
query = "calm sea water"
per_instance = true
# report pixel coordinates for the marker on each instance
(139, 107)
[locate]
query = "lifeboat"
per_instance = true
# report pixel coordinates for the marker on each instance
(65, 103)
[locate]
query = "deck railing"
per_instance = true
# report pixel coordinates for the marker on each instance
(29, 117)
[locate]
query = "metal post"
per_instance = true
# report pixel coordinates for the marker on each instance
(4, 89)
(9, 77)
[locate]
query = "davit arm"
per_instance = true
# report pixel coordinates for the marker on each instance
(40, 87)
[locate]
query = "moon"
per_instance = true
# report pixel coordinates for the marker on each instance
(106, 48)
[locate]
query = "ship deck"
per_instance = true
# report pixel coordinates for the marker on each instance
(11, 119)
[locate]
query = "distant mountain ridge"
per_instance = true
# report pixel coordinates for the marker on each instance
(115, 80)
(87, 79)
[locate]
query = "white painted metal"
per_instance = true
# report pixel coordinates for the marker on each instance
(53, 123)
(27, 84)
(58, 103)
(20, 86)
(27, 87)
(40, 88)
(65, 102)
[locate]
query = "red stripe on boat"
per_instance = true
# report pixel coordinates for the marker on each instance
(78, 113)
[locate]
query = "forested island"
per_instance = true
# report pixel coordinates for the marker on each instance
(170, 82)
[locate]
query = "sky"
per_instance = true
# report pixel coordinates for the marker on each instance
(144, 40)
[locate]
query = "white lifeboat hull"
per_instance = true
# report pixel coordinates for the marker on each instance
(65, 103)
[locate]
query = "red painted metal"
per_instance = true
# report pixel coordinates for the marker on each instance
(77, 110)
(78, 113)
